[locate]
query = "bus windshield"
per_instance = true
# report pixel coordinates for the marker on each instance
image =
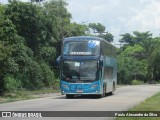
(91, 47)
(79, 71)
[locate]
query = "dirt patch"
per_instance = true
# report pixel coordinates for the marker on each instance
(2, 100)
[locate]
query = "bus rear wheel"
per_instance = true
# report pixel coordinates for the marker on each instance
(68, 96)
(113, 89)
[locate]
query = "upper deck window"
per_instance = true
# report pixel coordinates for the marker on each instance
(91, 47)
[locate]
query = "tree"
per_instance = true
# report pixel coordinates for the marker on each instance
(57, 20)
(108, 37)
(74, 29)
(144, 49)
(154, 58)
(136, 38)
(141, 36)
(8, 41)
(131, 66)
(28, 15)
(99, 28)
(22, 35)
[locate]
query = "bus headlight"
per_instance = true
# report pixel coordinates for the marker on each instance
(65, 86)
(95, 85)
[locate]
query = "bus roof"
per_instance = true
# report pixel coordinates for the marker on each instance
(83, 38)
(86, 38)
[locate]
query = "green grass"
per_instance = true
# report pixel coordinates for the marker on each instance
(150, 104)
(17, 95)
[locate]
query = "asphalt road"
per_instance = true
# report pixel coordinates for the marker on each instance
(124, 98)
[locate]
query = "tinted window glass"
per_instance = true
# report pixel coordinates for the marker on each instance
(91, 47)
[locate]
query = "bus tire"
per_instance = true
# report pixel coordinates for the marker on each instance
(68, 96)
(113, 89)
(104, 90)
(103, 93)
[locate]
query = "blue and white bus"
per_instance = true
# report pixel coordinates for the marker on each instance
(87, 67)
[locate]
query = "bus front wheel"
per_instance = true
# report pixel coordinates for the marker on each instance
(103, 93)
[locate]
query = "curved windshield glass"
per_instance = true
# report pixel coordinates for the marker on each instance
(79, 71)
(91, 47)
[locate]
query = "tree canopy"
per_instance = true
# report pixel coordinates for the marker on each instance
(100, 29)
(30, 42)
(141, 53)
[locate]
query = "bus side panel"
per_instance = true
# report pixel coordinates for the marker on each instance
(110, 73)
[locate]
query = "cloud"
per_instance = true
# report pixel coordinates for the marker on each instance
(146, 18)
(6, 1)
(119, 16)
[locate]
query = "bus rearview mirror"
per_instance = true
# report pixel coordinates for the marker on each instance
(101, 63)
(58, 61)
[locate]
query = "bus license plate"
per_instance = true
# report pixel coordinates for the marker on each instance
(79, 91)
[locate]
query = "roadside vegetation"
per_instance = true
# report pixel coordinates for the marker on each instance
(30, 42)
(150, 104)
(17, 95)
(138, 58)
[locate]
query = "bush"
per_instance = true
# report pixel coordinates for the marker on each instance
(34, 77)
(11, 83)
(48, 75)
(137, 82)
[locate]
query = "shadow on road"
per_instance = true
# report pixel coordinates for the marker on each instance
(81, 97)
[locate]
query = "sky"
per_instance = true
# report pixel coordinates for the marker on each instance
(118, 16)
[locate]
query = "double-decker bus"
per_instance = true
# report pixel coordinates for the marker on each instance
(87, 67)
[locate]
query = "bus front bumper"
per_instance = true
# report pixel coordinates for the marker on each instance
(81, 88)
